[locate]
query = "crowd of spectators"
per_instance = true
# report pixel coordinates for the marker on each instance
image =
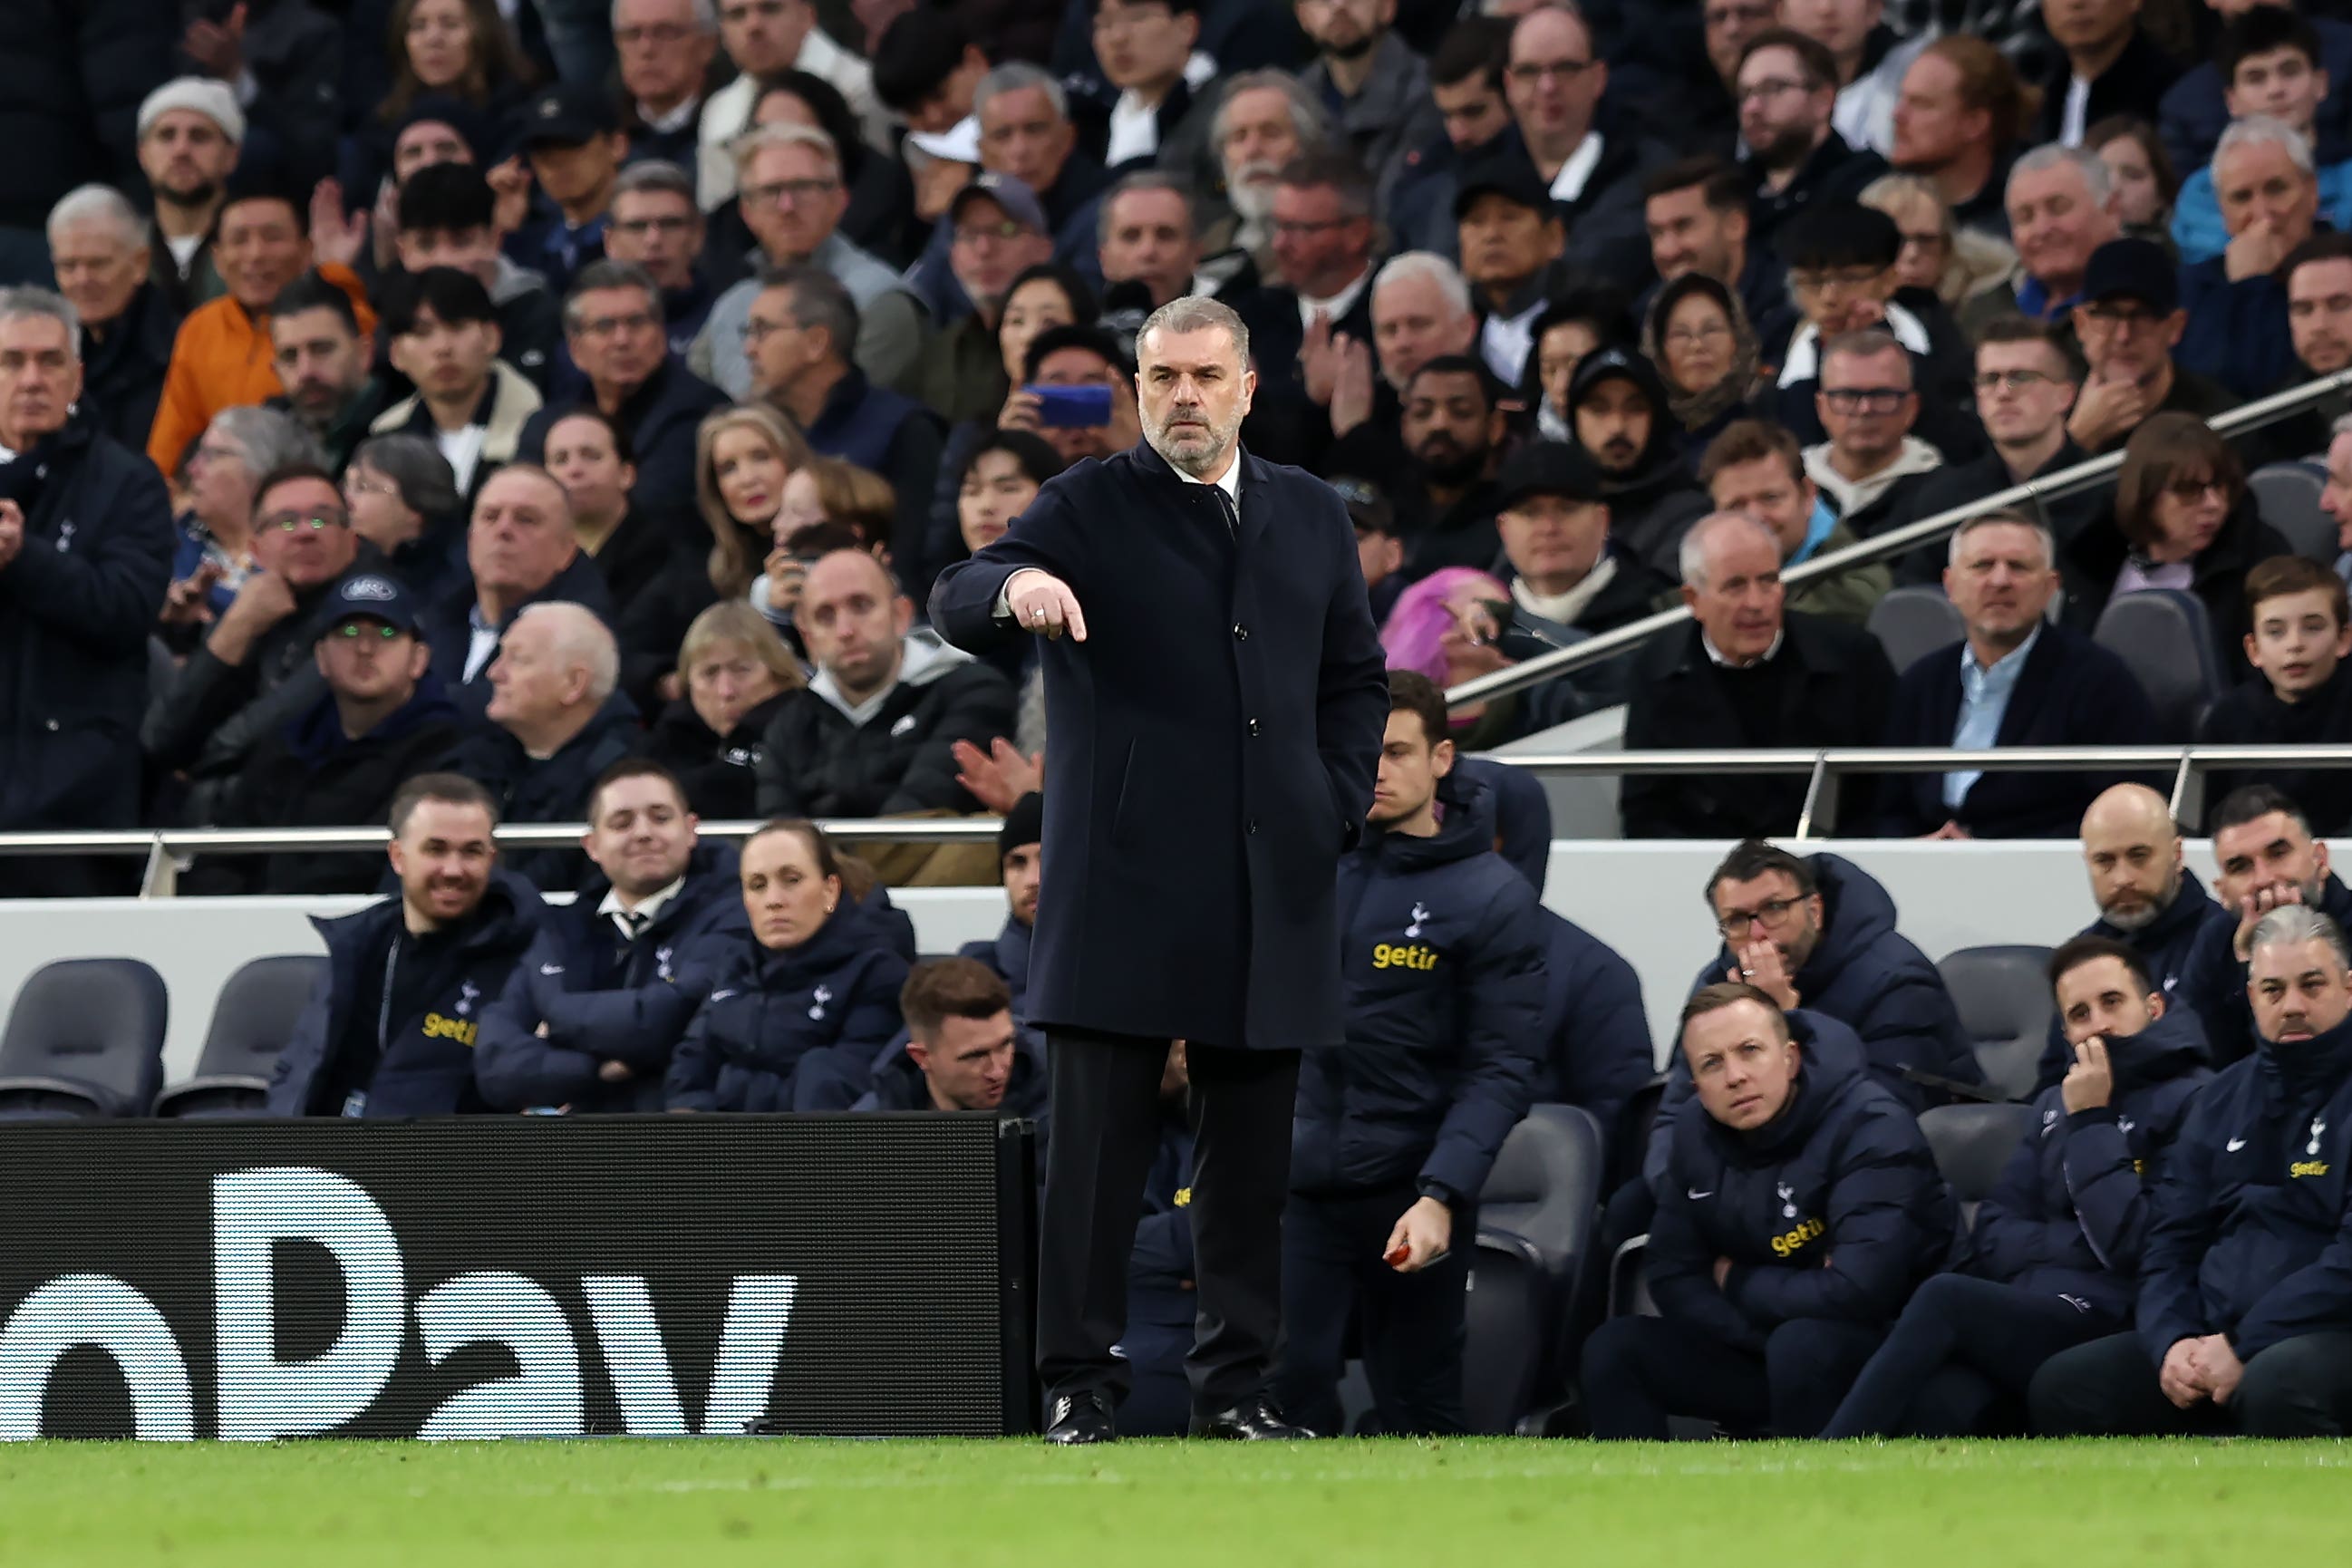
(457, 413)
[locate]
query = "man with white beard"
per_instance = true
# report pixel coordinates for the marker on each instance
(1263, 122)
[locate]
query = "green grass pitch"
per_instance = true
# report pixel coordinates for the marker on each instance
(1460, 1504)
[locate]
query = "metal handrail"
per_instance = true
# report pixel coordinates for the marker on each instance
(2187, 766)
(1884, 546)
(511, 836)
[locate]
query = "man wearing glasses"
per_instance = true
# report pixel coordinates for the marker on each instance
(254, 673)
(1786, 91)
(2129, 322)
(382, 717)
(665, 48)
(1871, 464)
(655, 226)
(1553, 81)
(794, 199)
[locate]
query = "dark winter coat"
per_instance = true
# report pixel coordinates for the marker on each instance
(2214, 982)
(1214, 742)
(72, 74)
(1595, 1032)
(793, 1028)
(1007, 956)
(1832, 687)
(2089, 566)
(427, 1062)
(720, 772)
(310, 774)
(900, 1084)
(2237, 331)
(1652, 503)
(599, 999)
(2251, 714)
(2072, 692)
(817, 762)
(1442, 950)
(528, 789)
(447, 627)
(1867, 977)
(1835, 173)
(660, 418)
(1834, 1209)
(2249, 1237)
(75, 608)
(2073, 1203)
(122, 370)
(1958, 484)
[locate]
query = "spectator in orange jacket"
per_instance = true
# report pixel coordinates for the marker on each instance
(223, 356)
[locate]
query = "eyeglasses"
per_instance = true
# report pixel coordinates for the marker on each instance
(355, 486)
(2197, 489)
(639, 227)
(1771, 912)
(2014, 380)
(357, 631)
(1865, 399)
(610, 326)
(1773, 86)
(756, 332)
(1531, 71)
(317, 521)
(973, 233)
(1684, 337)
(781, 193)
(651, 32)
(1848, 280)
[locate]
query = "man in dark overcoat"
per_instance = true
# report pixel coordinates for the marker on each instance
(1215, 699)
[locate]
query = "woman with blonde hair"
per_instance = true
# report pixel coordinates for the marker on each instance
(742, 457)
(735, 673)
(1949, 261)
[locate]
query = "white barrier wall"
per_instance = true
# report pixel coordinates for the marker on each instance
(1644, 899)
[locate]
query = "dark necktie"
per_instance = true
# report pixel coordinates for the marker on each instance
(1225, 505)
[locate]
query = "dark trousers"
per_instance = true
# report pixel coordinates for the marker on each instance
(1960, 1359)
(2300, 1387)
(1412, 1323)
(1638, 1372)
(1106, 1111)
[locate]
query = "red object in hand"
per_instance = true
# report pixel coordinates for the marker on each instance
(1394, 1257)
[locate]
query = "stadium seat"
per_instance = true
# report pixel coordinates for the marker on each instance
(2287, 497)
(84, 1039)
(1911, 622)
(2168, 640)
(251, 1023)
(1971, 1143)
(1537, 1217)
(2005, 1006)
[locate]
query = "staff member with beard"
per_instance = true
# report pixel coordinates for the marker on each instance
(1195, 819)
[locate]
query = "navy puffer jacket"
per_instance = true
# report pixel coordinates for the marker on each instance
(794, 1028)
(1442, 949)
(1834, 1209)
(2072, 1206)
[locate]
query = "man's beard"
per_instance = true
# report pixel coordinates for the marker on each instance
(1252, 192)
(198, 195)
(1211, 440)
(1449, 465)
(1789, 150)
(1355, 49)
(2144, 914)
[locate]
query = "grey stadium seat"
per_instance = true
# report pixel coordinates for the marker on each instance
(84, 1039)
(1537, 1218)
(2005, 1006)
(251, 1023)
(1911, 622)
(2168, 640)
(2287, 497)
(1971, 1143)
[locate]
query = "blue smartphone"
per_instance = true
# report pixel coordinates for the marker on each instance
(1072, 407)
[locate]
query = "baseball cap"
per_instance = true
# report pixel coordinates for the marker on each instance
(1019, 202)
(374, 595)
(215, 100)
(566, 116)
(1368, 507)
(2132, 269)
(1512, 181)
(1548, 469)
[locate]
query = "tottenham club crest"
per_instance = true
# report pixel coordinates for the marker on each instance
(824, 995)
(1787, 1200)
(466, 994)
(1420, 913)
(2318, 1126)
(662, 970)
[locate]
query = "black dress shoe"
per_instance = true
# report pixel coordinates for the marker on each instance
(1252, 1420)
(1080, 1418)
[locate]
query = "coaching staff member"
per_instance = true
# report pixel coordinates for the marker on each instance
(1216, 710)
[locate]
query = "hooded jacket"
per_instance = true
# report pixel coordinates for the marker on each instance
(1833, 1209)
(2214, 980)
(824, 760)
(599, 999)
(425, 1061)
(1866, 506)
(792, 1029)
(2249, 1237)
(900, 1085)
(1868, 977)
(310, 774)
(2164, 945)
(1441, 952)
(1653, 504)
(2072, 1209)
